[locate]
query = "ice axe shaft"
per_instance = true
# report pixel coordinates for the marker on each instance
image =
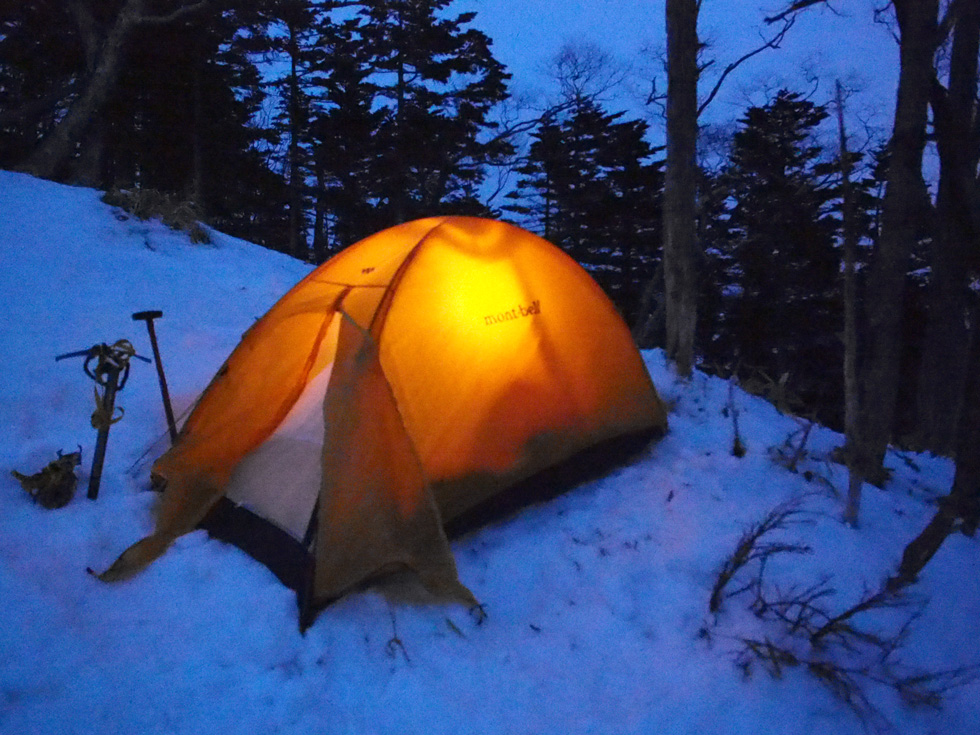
(148, 317)
(108, 407)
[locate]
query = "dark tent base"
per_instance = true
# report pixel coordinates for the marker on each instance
(265, 542)
(589, 464)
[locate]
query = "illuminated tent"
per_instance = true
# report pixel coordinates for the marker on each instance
(415, 375)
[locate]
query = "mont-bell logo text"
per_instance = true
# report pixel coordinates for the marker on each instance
(517, 312)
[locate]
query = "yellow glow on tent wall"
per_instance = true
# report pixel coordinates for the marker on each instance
(494, 317)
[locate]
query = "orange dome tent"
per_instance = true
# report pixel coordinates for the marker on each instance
(407, 380)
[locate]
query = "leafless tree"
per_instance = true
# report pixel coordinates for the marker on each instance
(944, 352)
(680, 256)
(104, 54)
(851, 392)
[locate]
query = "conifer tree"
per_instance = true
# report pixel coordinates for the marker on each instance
(534, 199)
(293, 44)
(343, 135)
(587, 186)
(781, 243)
(436, 80)
(183, 120)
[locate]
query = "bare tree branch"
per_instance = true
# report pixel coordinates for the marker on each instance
(945, 26)
(527, 125)
(793, 9)
(585, 71)
(655, 95)
(82, 15)
(182, 12)
(771, 43)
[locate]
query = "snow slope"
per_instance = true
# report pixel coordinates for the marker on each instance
(597, 602)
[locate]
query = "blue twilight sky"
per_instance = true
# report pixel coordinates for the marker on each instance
(846, 44)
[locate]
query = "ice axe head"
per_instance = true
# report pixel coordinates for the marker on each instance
(146, 316)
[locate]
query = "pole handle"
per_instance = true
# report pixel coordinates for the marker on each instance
(146, 315)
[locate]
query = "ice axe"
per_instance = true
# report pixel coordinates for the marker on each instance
(110, 371)
(148, 317)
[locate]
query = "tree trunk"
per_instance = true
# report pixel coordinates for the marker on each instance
(680, 185)
(103, 64)
(196, 194)
(944, 352)
(963, 501)
(297, 238)
(901, 213)
(89, 166)
(54, 151)
(680, 258)
(320, 242)
(851, 395)
(400, 194)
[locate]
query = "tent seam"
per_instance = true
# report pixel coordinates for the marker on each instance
(384, 305)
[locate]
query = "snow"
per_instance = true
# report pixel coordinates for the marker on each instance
(597, 602)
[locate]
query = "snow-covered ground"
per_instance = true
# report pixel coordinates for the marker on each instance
(596, 602)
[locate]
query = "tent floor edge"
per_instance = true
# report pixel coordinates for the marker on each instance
(584, 466)
(304, 594)
(307, 609)
(265, 542)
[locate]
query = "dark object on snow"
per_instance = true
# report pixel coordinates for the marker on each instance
(110, 372)
(54, 486)
(148, 317)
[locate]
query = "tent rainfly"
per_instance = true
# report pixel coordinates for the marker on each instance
(404, 382)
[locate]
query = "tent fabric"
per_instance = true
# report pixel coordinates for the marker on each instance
(377, 512)
(405, 381)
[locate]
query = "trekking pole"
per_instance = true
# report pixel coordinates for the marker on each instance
(111, 372)
(148, 317)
